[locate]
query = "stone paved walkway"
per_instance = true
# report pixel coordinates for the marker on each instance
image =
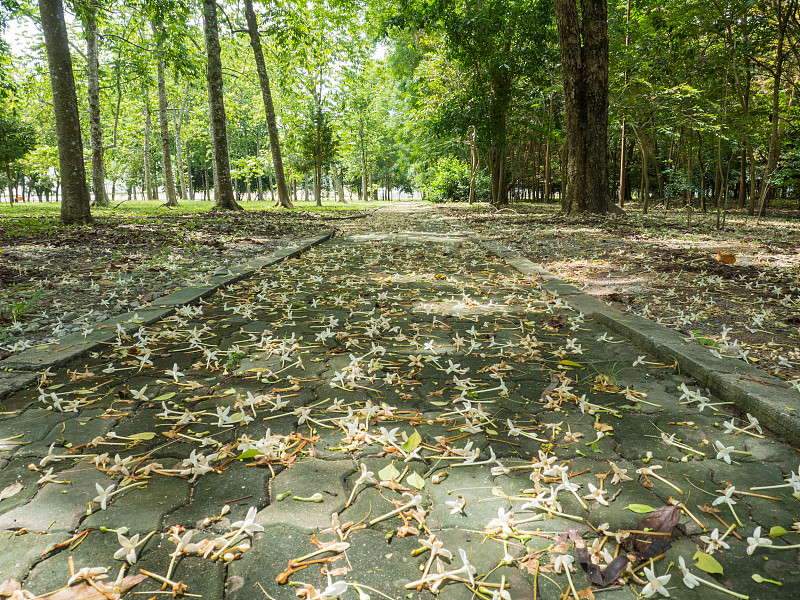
(351, 411)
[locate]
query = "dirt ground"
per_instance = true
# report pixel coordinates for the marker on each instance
(56, 280)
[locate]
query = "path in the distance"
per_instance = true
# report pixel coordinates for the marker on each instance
(400, 369)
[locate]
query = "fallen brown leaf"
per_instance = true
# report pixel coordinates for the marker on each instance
(727, 259)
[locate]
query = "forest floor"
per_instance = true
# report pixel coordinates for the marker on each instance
(56, 280)
(658, 267)
(298, 433)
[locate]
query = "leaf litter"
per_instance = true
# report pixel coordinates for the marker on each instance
(463, 366)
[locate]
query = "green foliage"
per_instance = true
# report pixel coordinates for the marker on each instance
(317, 138)
(17, 138)
(448, 181)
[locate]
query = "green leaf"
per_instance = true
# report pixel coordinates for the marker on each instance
(593, 447)
(641, 509)
(569, 363)
(413, 441)
(416, 481)
(777, 531)
(388, 473)
(249, 453)
(145, 435)
(162, 397)
(707, 563)
(438, 403)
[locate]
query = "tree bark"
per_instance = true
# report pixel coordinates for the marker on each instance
(93, 93)
(583, 40)
(219, 139)
(259, 179)
(163, 123)
(75, 197)
(148, 178)
(189, 183)
(318, 161)
(266, 93)
(774, 151)
(178, 122)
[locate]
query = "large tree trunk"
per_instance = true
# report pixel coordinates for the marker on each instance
(163, 122)
(219, 139)
(584, 61)
(266, 93)
(93, 93)
(75, 198)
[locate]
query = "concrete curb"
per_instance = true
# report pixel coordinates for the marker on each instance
(16, 372)
(767, 398)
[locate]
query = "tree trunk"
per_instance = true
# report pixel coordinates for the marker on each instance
(93, 93)
(163, 123)
(75, 198)
(148, 178)
(363, 168)
(177, 120)
(318, 171)
(259, 179)
(189, 182)
(473, 164)
(219, 140)
(272, 192)
(583, 40)
(742, 177)
(645, 188)
(10, 188)
(266, 93)
(775, 132)
(305, 187)
(336, 195)
(343, 200)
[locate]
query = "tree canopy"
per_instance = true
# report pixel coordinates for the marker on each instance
(383, 95)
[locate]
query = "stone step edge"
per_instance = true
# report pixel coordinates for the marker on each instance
(15, 370)
(767, 398)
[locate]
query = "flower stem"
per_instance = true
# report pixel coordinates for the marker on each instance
(722, 589)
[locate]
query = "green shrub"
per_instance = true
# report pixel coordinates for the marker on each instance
(448, 181)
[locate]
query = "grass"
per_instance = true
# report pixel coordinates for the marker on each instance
(147, 208)
(42, 220)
